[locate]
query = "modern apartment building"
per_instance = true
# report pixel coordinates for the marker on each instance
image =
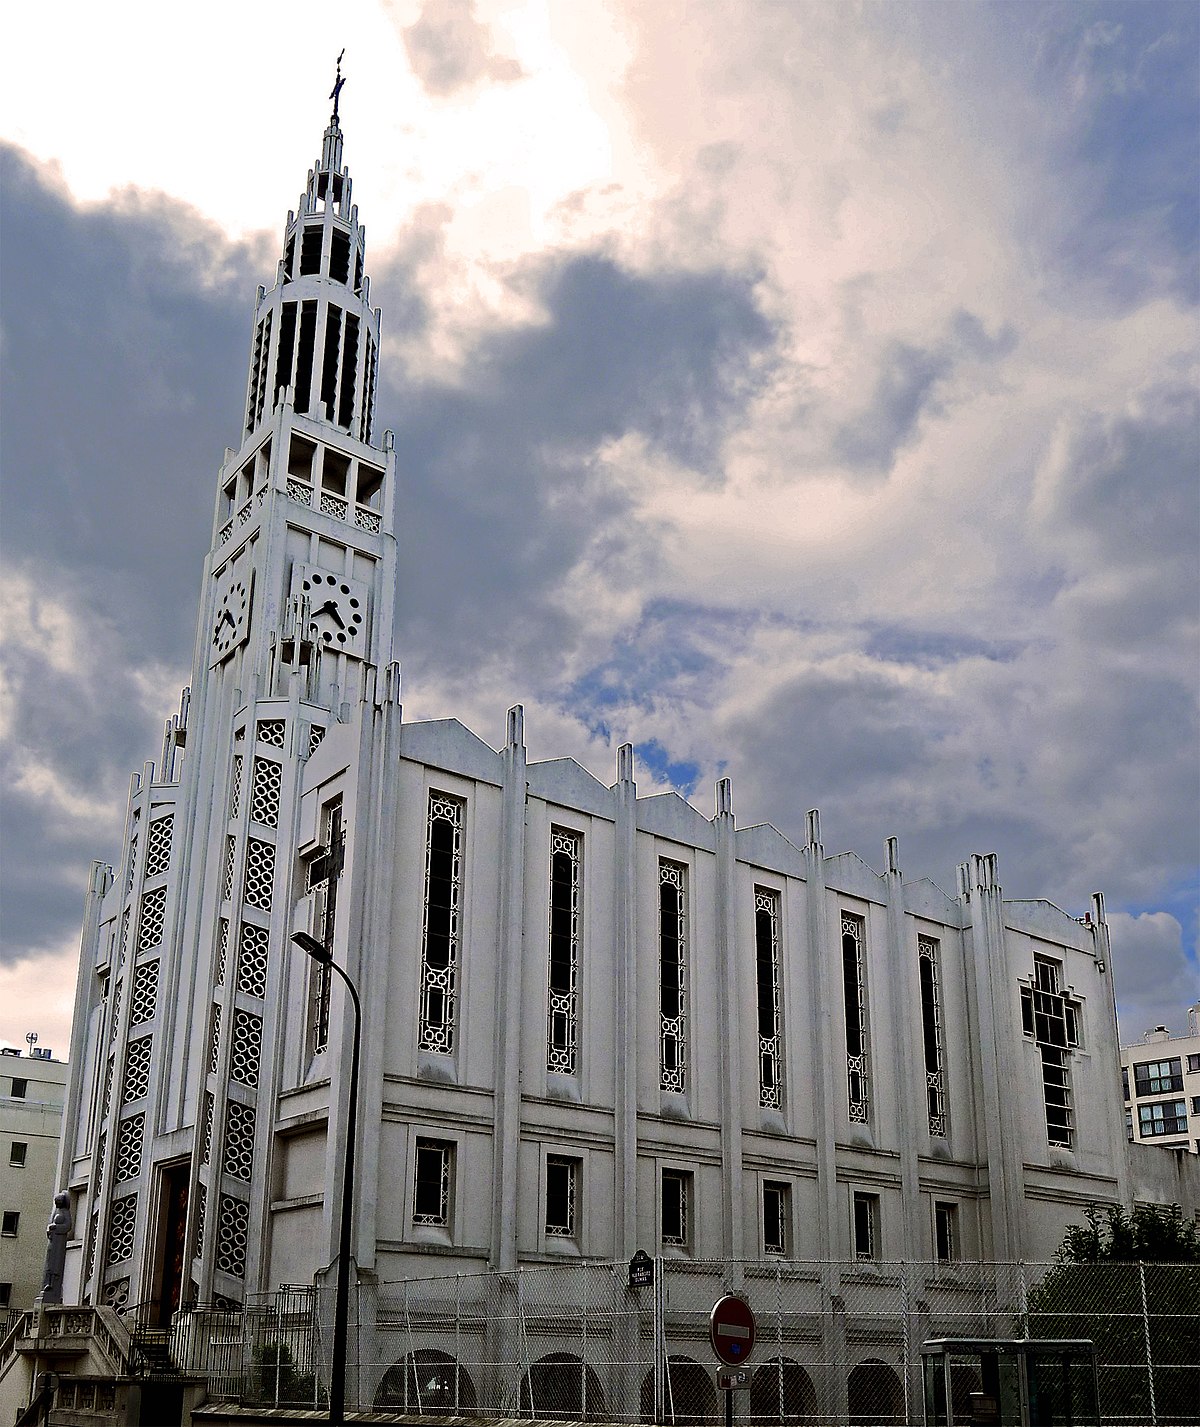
(1160, 1076)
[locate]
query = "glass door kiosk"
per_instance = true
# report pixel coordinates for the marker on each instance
(1010, 1382)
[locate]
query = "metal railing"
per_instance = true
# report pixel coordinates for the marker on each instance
(837, 1342)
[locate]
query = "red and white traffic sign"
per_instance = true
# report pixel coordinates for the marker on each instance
(731, 1329)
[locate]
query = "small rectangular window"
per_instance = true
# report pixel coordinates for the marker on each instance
(17, 1153)
(10, 1223)
(866, 1226)
(1125, 1081)
(5, 1294)
(562, 1196)
(676, 1192)
(431, 1190)
(1193, 1064)
(1158, 1077)
(777, 1199)
(1165, 1117)
(945, 1232)
(20, 1088)
(1196, 1104)
(310, 250)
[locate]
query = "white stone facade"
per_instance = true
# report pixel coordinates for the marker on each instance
(593, 1022)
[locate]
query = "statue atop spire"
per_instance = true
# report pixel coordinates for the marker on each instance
(336, 91)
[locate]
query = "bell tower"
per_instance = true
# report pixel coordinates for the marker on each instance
(185, 977)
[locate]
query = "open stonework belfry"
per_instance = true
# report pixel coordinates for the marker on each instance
(593, 1022)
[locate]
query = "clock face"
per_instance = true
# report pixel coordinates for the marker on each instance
(337, 607)
(232, 618)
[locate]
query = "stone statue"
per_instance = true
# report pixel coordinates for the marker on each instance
(58, 1231)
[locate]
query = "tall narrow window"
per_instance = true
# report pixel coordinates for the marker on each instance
(287, 345)
(323, 873)
(349, 372)
(766, 954)
(329, 364)
(777, 1214)
(439, 954)
(562, 1196)
(431, 1186)
(304, 355)
(855, 995)
(866, 1226)
(1051, 1016)
(945, 1232)
(562, 1021)
(672, 970)
(676, 1193)
(17, 1152)
(931, 1031)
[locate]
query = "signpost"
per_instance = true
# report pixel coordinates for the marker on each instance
(731, 1332)
(641, 1270)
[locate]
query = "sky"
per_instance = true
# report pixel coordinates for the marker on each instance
(803, 392)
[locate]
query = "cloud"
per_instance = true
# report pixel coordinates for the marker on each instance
(449, 49)
(1156, 980)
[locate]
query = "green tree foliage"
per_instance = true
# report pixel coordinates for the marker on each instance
(1131, 1283)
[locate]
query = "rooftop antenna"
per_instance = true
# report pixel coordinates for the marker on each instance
(335, 92)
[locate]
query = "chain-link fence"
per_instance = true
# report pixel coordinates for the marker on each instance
(836, 1342)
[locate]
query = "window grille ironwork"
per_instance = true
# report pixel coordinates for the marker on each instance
(201, 1206)
(858, 1067)
(222, 951)
(315, 734)
(766, 955)
(131, 870)
(235, 785)
(214, 1046)
(206, 1137)
(431, 1185)
(929, 967)
(158, 845)
(230, 863)
(672, 976)
(562, 1190)
(442, 923)
(562, 1024)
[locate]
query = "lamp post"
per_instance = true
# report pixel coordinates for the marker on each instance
(341, 1306)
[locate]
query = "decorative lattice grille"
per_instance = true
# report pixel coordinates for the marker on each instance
(137, 1070)
(239, 1140)
(121, 1229)
(124, 942)
(116, 1295)
(264, 798)
(931, 1030)
(315, 735)
(247, 1045)
(222, 951)
(109, 1075)
(101, 1148)
(672, 958)
(298, 491)
(130, 1135)
(116, 1010)
(230, 864)
(333, 505)
(562, 1011)
(150, 922)
(158, 845)
(766, 952)
(367, 520)
(145, 993)
(132, 868)
(252, 961)
(443, 890)
(260, 873)
(201, 1205)
(272, 731)
(206, 1136)
(235, 785)
(214, 1044)
(232, 1221)
(855, 996)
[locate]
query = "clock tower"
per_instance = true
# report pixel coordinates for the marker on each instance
(198, 1015)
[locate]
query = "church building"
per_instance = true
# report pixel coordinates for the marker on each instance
(593, 1022)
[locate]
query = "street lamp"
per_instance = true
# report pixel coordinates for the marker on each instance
(341, 1307)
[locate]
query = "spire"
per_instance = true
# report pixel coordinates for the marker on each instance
(331, 149)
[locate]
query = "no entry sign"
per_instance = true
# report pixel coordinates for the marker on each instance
(731, 1329)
